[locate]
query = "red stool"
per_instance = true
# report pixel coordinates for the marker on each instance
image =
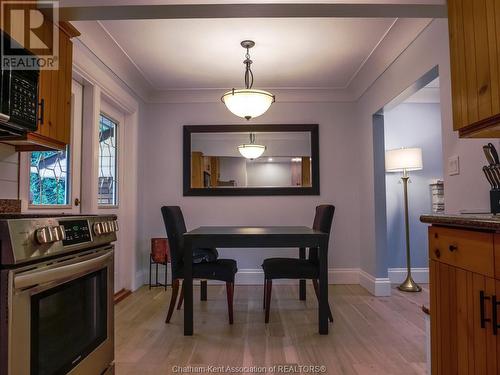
(160, 254)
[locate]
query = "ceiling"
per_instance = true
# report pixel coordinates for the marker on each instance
(164, 57)
(202, 54)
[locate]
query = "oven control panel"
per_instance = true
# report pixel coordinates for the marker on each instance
(26, 239)
(76, 231)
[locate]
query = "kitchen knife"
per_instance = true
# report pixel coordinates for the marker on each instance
(489, 155)
(494, 153)
(496, 174)
(488, 177)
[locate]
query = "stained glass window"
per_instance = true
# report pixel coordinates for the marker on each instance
(107, 188)
(49, 178)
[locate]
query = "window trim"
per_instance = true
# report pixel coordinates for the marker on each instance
(116, 204)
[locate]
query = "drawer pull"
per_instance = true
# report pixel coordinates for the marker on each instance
(494, 314)
(453, 248)
(482, 298)
(437, 253)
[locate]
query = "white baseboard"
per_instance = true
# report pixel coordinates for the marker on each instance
(255, 276)
(379, 287)
(420, 275)
(251, 276)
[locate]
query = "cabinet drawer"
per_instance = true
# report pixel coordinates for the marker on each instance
(470, 250)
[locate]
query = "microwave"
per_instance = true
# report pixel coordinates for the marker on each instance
(18, 98)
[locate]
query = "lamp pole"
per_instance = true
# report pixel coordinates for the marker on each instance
(408, 285)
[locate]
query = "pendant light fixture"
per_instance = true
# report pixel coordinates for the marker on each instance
(248, 103)
(251, 150)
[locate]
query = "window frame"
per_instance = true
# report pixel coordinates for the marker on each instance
(117, 162)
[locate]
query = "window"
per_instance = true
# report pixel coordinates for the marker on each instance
(49, 177)
(107, 188)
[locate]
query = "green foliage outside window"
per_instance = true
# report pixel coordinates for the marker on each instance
(49, 178)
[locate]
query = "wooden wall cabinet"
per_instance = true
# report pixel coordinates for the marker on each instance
(200, 165)
(54, 125)
(464, 301)
(474, 27)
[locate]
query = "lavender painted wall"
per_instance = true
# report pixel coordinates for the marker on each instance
(161, 178)
(412, 125)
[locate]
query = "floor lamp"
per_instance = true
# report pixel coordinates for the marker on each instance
(405, 160)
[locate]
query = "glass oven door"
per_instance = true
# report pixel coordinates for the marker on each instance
(62, 316)
(67, 323)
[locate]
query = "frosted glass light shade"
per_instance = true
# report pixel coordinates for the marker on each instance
(403, 159)
(251, 150)
(248, 103)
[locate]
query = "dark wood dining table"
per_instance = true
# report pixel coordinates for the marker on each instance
(257, 237)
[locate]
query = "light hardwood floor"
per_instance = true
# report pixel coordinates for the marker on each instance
(384, 335)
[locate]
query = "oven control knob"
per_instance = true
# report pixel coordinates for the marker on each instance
(44, 235)
(106, 227)
(98, 229)
(61, 232)
(115, 226)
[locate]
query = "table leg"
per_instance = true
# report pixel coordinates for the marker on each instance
(323, 288)
(302, 283)
(188, 287)
(203, 290)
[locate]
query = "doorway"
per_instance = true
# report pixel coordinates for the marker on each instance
(411, 120)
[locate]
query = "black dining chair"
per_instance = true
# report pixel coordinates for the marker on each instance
(300, 269)
(219, 269)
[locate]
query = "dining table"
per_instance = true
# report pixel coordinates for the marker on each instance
(257, 237)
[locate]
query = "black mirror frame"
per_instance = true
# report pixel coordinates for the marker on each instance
(189, 129)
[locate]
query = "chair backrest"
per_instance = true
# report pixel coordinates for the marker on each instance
(176, 227)
(323, 220)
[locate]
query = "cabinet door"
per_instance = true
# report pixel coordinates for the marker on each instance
(55, 92)
(462, 340)
(474, 40)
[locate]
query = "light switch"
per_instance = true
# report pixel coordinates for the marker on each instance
(453, 166)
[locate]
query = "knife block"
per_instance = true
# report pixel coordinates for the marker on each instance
(495, 201)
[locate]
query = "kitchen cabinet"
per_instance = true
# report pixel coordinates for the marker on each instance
(464, 288)
(474, 28)
(54, 125)
(204, 165)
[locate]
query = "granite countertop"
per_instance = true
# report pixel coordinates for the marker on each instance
(470, 221)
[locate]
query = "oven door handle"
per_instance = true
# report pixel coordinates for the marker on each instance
(67, 271)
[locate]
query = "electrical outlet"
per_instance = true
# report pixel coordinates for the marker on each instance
(453, 166)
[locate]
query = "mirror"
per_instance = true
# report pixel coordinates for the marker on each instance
(251, 160)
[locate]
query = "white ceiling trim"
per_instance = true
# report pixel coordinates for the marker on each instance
(125, 53)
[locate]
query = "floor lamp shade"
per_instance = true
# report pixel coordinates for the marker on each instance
(403, 159)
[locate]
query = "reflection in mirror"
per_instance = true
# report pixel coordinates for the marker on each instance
(218, 159)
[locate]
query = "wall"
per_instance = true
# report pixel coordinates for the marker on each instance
(160, 182)
(412, 125)
(233, 168)
(269, 174)
(469, 190)
(9, 162)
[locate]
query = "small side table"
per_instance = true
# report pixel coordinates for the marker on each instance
(160, 254)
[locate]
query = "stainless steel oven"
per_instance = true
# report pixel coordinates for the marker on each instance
(63, 321)
(59, 316)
